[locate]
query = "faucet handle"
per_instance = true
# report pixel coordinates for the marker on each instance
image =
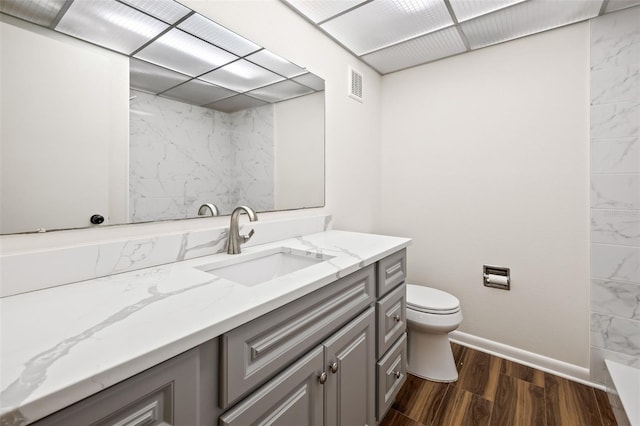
(246, 238)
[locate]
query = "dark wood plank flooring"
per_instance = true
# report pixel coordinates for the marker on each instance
(493, 391)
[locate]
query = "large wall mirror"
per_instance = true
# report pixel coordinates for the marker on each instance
(132, 111)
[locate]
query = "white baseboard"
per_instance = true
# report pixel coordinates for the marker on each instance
(530, 359)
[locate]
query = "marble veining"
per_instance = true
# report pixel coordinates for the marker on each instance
(616, 298)
(620, 155)
(615, 227)
(615, 263)
(615, 120)
(615, 334)
(615, 39)
(34, 371)
(101, 331)
(182, 156)
(73, 264)
(616, 84)
(615, 191)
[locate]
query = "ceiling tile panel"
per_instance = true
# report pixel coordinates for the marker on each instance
(184, 53)
(167, 10)
(417, 51)
(614, 5)
(319, 10)
(110, 24)
(275, 63)
(152, 78)
(468, 9)
(241, 76)
(280, 91)
(210, 31)
(310, 80)
(236, 103)
(526, 18)
(41, 12)
(384, 22)
(198, 92)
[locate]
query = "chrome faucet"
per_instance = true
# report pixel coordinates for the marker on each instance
(202, 211)
(235, 239)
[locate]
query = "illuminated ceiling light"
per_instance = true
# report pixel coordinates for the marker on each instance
(241, 76)
(110, 24)
(275, 63)
(382, 23)
(41, 12)
(184, 53)
(216, 34)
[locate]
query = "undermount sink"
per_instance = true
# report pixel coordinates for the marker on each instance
(262, 267)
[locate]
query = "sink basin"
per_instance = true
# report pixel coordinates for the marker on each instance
(262, 267)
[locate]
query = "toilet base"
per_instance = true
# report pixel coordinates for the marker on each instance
(430, 357)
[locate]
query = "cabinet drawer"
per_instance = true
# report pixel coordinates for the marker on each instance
(294, 397)
(166, 394)
(391, 312)
(256, 351)
(391, 374)
(392, 270)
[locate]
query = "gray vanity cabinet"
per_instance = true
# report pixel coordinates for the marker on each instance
(294, 397)
(350, 387)
(180, 391)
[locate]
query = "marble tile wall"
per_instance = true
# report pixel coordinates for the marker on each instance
(182, 156)
(615, 190)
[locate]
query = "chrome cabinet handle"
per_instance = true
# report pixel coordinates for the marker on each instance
(334, 367)
(397, 318)
(397, 374)
(322, 378)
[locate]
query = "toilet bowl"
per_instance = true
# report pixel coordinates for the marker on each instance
(431, 315)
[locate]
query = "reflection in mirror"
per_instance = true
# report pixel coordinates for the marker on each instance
(141, 110)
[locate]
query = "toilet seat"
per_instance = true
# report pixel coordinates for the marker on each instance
(431, 301)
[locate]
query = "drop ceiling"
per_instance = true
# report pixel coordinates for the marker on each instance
(174, 52)
(391, 35)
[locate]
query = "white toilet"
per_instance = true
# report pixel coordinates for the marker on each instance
(431, 315)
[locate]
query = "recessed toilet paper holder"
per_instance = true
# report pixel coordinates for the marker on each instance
(496, 277)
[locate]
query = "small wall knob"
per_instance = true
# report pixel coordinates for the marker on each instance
(334, 367)
(322, 378)
(96, 219)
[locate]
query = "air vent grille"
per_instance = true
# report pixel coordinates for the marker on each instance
(355, 84)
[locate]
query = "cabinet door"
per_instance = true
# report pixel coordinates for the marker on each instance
(349, 361)
(294, 397)
(166, 394)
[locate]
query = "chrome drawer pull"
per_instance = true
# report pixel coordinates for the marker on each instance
(397, 374)
(334, 367)
(322, 378)
(397, 318)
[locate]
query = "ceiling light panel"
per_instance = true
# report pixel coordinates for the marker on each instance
(614, 5)
(241, 76)
(184, 53)
(527, 18)
(280, 91)
(310, 80)
(236, 103)
(198, 92)
(208, 30)
(320, 10)
(275, 63)
(384, 22)
(110, 24)
(41, 12)
(468, 9)
(167, 10)
(417, 51)
(152, 78)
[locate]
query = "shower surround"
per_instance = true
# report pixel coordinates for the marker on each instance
(182, 156)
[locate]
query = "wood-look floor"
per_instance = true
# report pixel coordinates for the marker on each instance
(495, 391)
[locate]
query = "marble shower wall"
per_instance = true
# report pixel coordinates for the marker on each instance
(182, 156)
(615, 190)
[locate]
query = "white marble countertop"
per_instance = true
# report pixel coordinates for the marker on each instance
(65, 343)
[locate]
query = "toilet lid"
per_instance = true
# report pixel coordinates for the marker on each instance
(431, 300)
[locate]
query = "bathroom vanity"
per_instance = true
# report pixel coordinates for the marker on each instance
(308, 330)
